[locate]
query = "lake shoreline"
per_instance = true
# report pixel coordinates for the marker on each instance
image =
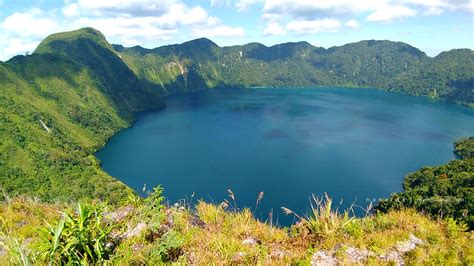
(253, 108)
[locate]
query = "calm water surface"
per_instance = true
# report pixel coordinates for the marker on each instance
(356, 145)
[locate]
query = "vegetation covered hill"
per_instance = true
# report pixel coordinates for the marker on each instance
(465, 148)
(446, 190)
(63, 102)
(387, 65)
(57, 107)
(144, 231)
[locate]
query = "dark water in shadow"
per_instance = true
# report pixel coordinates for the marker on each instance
(356, 145)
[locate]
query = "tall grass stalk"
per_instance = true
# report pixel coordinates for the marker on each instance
(322, 220)
(16, 252)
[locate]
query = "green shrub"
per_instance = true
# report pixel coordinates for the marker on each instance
(170, 247)
(79, 238)
(322, 221)
(15, 251)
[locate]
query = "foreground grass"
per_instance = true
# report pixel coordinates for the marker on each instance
(144, 231)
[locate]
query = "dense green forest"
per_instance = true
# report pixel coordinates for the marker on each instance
(57, 107)
(386, 65)
(446, 190)
(62, 103)
(465, 148)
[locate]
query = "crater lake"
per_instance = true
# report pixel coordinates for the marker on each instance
(355, 144)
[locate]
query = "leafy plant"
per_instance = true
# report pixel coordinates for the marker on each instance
(79, 238)
(170, 247)
(15, 251)
(322, 221)
(134, 200)
(155, 199)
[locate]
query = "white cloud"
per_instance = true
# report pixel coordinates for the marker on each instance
(274, 28)
(147, 20)
(130, 42)
(391, 13)
(10, 47)
(19, 46)
(127, 7)
(242, 5)
(313, 26)
(143, 22)
(28, 24)
(310, 9)
(182, 14)
(71, 10)
(352, 24)
(130, 28)
(375, 10)
(213, 21)
(219, 31)
(433, 11)
(319, 8)
(436, 7)
(133, 22)
(220, 2)
(169, 13)
(22, 32)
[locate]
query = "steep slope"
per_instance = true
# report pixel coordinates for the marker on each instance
(89, 48)
(146, 232)
(387, 65)
(446, 190)
(175, 68)
(58, 106)
(449, 75)
(64, 101)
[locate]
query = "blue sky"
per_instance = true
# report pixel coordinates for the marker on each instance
(430, 25)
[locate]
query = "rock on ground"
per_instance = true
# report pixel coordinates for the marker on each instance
(356, 256)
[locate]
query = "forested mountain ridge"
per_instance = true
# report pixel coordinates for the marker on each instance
(63, 102)
(57, 107)
(387, 65)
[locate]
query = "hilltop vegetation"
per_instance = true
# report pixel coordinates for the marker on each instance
(465, 148)
(57, 108)
(144, 231)
(63, 102)
(446, 190)
(386, 65)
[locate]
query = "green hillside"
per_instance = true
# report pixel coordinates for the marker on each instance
(386, 65)
(147, 232)
(62, 103)
(445, 190)
(58, 106)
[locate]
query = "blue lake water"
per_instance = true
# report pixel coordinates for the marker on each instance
(354, 144)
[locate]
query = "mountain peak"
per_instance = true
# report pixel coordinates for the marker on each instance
(200, 43)
(52, 42)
